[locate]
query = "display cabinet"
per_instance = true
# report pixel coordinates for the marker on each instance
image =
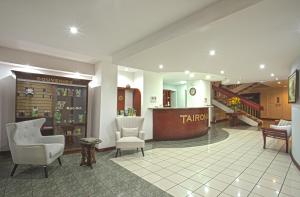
(62, 101)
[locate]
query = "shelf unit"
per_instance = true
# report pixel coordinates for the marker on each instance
(62, 101)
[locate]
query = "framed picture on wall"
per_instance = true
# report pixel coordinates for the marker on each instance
(293, 87)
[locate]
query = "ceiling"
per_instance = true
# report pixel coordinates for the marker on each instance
(265, 33)
(105, 26)
(175, 33)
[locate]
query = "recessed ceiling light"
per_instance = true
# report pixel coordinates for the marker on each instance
(212, 52)
(238, 82)
(222, 72)
(161, 66)
(187, 72)
(192, 75)
(207, 76)
(126, 69)
(272, 74)
(262, 66)
(73, 30)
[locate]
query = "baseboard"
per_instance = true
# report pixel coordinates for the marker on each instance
(105, 149)
(221, 120)
(294, 161)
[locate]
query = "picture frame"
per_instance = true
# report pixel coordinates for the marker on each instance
(293, 87)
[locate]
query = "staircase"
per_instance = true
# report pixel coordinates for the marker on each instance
(242, 87)
(250, 109)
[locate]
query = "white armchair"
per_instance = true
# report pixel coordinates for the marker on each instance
(28, 146)
(129, 134)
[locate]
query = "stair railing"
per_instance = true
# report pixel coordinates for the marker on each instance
(249, 107)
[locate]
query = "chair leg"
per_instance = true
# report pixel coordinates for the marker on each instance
(117, 153)
(46, 171)
(264, 142)
(287, 146)
(59, 161)
(142, 149)
(13, 170)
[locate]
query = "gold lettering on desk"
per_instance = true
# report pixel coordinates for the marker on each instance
(193, 118)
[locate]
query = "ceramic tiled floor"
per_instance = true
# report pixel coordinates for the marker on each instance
(236, 166)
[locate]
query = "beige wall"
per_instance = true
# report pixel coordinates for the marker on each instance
(44, 61)
(268, 99)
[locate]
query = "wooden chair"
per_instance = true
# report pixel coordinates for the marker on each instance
(282, 130)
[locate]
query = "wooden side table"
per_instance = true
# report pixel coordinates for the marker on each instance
(88, 156)
(234, 120)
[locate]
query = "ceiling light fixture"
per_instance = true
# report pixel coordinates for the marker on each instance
(161, 66)
(262, 66)
(187, 72)
(126, 69)
(207, 76)
(73, 30)
(222, 72)
(272, 75)
(192, 75)
(212, 52)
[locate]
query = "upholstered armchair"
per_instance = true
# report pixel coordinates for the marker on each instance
(129, 134)
(28, 146)
(282, 130)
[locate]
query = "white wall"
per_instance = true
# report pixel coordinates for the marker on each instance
(296, 121)
(203, 93)
(153, 87)
(106, 75)
(7, 107)
(181, 95)
(125, 78)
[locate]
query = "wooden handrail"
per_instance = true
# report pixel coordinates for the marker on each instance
(243, 100)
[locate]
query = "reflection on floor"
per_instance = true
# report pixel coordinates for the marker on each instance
(236, 166)
(227, 162)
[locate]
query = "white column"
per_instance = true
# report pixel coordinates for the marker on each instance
(105, 103)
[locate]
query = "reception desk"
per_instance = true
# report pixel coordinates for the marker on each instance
(180, 123)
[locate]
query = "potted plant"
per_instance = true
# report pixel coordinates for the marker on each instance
(234, 103)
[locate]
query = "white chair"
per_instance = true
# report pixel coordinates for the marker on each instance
(129, 134)
(28, 146)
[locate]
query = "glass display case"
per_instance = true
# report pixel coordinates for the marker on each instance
(62, 101)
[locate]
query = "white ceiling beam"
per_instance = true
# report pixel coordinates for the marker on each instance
(200, 18)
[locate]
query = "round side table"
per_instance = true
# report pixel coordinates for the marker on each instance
(88, 156)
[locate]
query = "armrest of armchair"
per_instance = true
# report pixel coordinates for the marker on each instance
(118, 135)
(52, 139)
(31, 154)
(142, 135)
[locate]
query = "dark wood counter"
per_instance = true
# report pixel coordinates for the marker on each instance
(179, 123)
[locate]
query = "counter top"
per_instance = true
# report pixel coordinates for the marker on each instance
(208, 106)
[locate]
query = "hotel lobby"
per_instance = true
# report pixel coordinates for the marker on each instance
(150, 98)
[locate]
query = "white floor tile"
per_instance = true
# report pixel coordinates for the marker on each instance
(263, 191)
(164, 184)
(179, 191)
(176, 178)
(191, 184)
(216, 184)
(235, 191)
(207, 191)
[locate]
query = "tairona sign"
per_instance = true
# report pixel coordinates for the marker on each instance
(193, 118)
